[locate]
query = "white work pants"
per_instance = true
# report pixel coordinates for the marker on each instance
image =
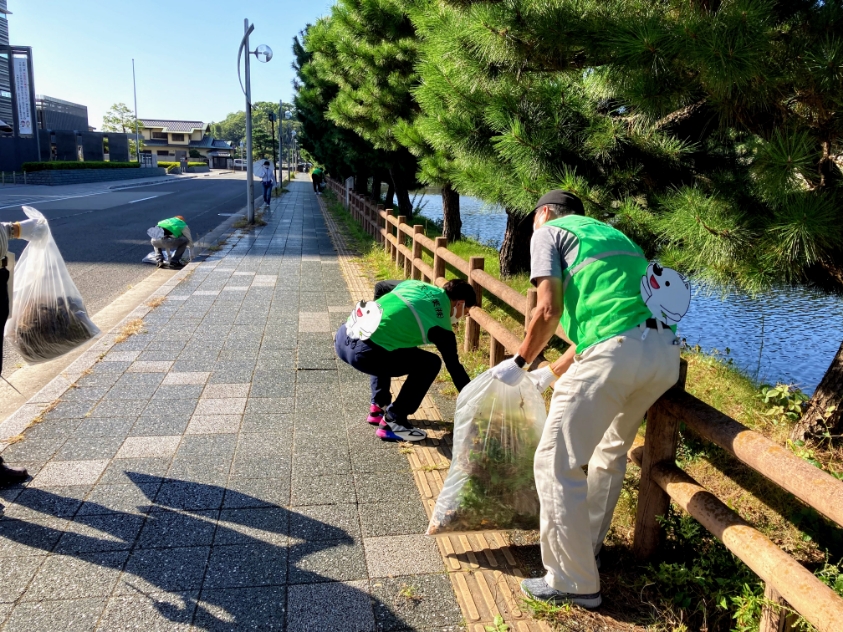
(595, 412)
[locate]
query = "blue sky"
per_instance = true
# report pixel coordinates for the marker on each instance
(185, 52)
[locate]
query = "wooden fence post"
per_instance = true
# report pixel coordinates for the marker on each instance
(438, 262)
(378, 220)
(497, 352)
(387, 245)
(399, 256)
(659, 445)
(472, 328)
(417, 252)
(775, 619)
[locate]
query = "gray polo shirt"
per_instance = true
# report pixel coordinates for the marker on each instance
(552, 251)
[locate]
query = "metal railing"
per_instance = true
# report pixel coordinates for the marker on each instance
(787, 582)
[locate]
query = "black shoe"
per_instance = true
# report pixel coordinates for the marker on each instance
(162, 264)
(176, 265)
(11, 475)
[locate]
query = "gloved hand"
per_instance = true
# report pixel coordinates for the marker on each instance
(32, 229)
(509, 373)
(542, 378)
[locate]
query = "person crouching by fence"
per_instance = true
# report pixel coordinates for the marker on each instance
(174, 235)
(381, 338)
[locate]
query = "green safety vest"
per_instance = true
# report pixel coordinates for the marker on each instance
(409, 311)
(174, 225)
(601, 290)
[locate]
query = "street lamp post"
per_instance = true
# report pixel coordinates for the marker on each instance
(263, 54)
(274, 158)
(292, 152)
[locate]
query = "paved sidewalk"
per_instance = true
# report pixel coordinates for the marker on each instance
(214, 471)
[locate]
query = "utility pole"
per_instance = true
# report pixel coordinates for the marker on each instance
(135, 84)
(281, 138)
(250, 184)
(274, 156)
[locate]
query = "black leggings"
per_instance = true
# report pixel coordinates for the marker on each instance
(421, 368)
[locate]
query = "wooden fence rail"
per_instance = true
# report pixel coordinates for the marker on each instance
(787, 581)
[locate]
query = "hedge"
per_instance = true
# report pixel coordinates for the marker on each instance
(56, 165)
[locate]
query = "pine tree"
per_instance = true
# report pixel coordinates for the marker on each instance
(708, 130)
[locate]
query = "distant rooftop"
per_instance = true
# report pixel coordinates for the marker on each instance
(173, 126)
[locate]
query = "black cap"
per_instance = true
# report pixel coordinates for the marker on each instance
(565, 199)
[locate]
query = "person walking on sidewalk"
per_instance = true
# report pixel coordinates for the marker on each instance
(589, 276)
(174, 234)
(268, 180)
(381, 338)
(316, 176)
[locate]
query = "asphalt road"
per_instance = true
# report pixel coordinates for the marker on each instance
(103, 237)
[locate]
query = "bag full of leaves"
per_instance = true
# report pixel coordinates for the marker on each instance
(490, 483)
(48, 315)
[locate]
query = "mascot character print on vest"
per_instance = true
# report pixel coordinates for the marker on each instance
(666, 293)
(364, 320)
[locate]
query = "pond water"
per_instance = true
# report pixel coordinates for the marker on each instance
(786, 335)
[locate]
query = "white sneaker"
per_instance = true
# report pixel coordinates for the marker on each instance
(392, 431)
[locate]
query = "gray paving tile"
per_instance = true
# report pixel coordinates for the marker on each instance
(160, 425)
(17, 573)
(415, 602)
(70, 409)
(313, 523)
(53, 501)
(107, 532)
(254, 608)
(89, 448)
(252, 526)
(387, 556)
(56, 615)
(323, 490)
(172, 569)
(321, 463)
(378, 460)
(120, 408)
(76, 577)
(257, 492)
(373, 488)
(274, 466)
(147, 469)
(393, 518)
(277, 424)
(35, 449)
(153, 612)
(105, 426)
(330, 606)
(123, 498)
(168, 529)
(218, 446)
(327, 560)
(240, 566)
(176, 494)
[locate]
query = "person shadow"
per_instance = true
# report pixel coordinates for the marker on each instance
(258, 550)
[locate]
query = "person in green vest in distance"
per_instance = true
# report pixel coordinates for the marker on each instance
(382, 338)
(617, 310)
(316, 175)
(170, 234)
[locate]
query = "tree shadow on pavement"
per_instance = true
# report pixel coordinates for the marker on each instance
(258, 550)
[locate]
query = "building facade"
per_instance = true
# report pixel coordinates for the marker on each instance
(56, 113)
(5, 78)
(174, 140)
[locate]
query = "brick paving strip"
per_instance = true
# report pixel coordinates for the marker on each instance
(484, 574)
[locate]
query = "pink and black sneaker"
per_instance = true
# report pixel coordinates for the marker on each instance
(375, 415)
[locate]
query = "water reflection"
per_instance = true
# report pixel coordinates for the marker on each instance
(786, 335)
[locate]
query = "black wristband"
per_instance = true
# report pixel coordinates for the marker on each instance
(519, 361)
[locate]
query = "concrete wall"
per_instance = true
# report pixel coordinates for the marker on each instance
(198, 169)
(81, 176)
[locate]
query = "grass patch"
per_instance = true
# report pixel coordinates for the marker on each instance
(134, 326)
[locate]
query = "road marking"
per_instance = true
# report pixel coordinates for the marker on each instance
(143, 199)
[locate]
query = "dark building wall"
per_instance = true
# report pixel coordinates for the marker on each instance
(58, 114)
(118, 148)
(66, 148)
(91, 145)
(16, 151)
(80, 176)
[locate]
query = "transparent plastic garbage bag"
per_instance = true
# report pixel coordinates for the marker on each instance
(49, 317)
(490, 484)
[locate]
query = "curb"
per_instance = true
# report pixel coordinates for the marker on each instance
(19, 421)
